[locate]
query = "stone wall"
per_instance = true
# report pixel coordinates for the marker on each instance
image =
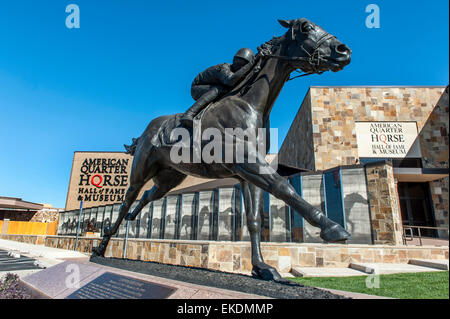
(236, 256)
(301, 131)
(45, 216)
(435, 134)
(384, 205)
(334, 111)
(439, 194)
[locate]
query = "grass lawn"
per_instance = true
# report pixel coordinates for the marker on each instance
(423, 285)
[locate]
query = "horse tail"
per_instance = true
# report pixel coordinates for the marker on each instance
(131, 149)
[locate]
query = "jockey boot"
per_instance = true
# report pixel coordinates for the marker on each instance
(188, 117)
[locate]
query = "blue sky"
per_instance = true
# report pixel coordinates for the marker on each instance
(94, 88)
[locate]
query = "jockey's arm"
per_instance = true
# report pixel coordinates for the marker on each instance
(230, 79)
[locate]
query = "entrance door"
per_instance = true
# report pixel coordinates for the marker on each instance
(415, 205)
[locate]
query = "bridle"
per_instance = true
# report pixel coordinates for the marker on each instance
(311, 49)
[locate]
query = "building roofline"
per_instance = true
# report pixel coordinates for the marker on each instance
(377, 86)
(99, 152)
(14, 202)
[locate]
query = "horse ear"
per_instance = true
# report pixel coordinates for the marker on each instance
(285, 23)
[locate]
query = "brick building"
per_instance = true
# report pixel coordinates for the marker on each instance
(375, 159)
(399, 139)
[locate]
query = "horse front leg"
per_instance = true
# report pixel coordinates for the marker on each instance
(254, 207)
(130, 197)
(262, 175)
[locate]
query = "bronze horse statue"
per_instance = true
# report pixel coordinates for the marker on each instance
(305, 46)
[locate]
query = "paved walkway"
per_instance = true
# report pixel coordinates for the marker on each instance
(49, 257)
(33, 258)
(427, 242)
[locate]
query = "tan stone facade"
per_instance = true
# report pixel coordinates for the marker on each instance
(335, 110)
(439, 193)
(236, 256)
(384, 206)
(331, 114)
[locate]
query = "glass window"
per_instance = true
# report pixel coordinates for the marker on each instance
(100, 216)
(205, 215)
(61, 223)
(226, 214)
(333, 193)
(92, 219)
(356, 206)
(279, 220)
(313, 193)
(144, 221)
(73, 224)
(242, 233)
(115, 216)
(170, 229)
(123, 225)
(86, 218)
(76, 218)
(187, 216)
(134, 224)
(107, 218)
(296, 218)
(158, 213)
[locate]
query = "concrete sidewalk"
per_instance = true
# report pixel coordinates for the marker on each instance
(40, 250)
(49, 257)
(45, 256)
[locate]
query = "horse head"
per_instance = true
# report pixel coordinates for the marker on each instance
(311, 49)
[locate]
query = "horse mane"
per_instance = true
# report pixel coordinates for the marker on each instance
(267, 47)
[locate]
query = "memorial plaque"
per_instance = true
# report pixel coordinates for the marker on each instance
(114, 286)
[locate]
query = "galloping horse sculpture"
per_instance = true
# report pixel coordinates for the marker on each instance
(305, 46)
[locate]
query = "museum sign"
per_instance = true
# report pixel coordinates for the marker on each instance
(98, 178)
(387, 139)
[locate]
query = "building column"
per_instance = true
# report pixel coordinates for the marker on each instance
(384, 204)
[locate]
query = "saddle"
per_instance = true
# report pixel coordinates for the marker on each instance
(163, 134)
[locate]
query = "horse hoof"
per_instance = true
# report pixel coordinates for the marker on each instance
(98, 252)
(334, 233)
(267, 273)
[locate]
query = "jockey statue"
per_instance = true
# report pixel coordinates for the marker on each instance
(216, 81)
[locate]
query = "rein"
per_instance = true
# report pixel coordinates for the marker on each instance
(313, 58)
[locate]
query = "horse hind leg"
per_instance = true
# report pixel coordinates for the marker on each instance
(254, 206)
(165, 180)
(140, 174)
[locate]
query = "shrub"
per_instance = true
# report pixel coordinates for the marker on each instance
(10, 288)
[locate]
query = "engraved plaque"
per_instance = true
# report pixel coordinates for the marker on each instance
(114, 286)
